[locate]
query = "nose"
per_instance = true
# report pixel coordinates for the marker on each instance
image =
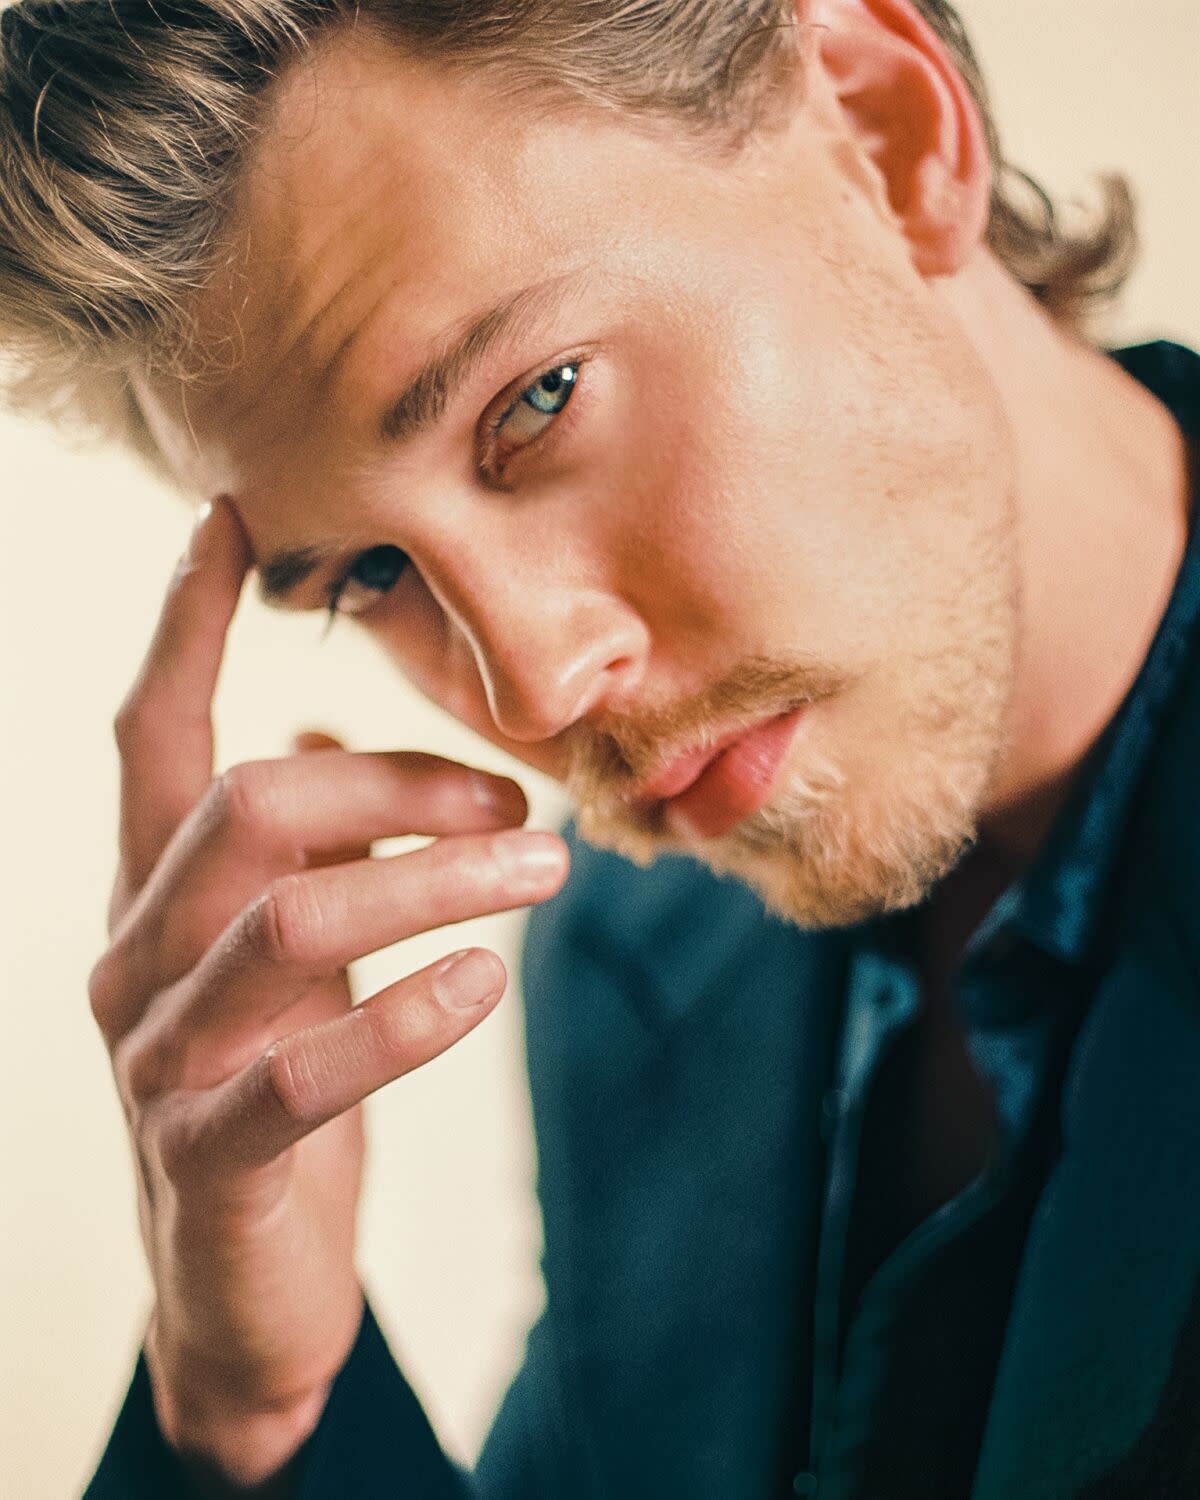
(547, 657)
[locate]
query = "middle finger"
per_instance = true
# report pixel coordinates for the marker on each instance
(263, 819)
(311, 925)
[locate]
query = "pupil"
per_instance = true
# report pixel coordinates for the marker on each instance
(552, 381)
(379, 568)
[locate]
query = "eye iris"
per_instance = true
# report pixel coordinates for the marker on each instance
(551, 393)
(379, 568)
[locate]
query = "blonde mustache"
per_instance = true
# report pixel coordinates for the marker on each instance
(610, 759)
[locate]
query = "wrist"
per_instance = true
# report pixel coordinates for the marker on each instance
(235, 1441)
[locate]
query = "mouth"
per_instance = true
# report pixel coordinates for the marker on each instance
(710, 791)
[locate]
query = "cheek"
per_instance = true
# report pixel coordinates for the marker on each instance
(745, 477)
(739, 526)
(826, 495)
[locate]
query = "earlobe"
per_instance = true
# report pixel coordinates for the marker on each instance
(913, 116)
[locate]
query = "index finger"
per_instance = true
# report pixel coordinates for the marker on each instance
(164, 725)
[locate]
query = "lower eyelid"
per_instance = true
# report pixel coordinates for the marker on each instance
(367, 597)
(557, 425)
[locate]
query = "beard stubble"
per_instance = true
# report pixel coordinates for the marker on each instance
(853, 830)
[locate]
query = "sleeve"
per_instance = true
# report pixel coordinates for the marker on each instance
(373, 1442)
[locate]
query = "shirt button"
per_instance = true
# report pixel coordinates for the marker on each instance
(805, 1483)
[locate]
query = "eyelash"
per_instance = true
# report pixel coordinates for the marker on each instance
(507, 405)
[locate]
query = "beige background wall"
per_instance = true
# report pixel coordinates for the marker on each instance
(450, 1236)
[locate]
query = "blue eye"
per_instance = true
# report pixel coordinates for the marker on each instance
(535, 409)
(371, 574)
(551, 392)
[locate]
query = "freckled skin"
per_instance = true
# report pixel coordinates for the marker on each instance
(787, 444)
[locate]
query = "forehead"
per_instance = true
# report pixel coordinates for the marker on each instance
(377, 166)
(387, 200)
(383, 185)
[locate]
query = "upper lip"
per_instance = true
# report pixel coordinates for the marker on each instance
(686, 768)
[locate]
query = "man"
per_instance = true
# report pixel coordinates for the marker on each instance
(675, 393)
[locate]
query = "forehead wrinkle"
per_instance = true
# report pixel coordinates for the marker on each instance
(289, 373)
(284, 282)
(329, 369)
(303, 346)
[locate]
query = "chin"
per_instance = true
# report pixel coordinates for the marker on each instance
(836, 859)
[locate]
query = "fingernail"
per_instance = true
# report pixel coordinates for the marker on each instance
(468, 979)
(192, 552)
(496, 795)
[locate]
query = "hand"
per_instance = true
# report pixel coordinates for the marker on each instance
(239, 1058)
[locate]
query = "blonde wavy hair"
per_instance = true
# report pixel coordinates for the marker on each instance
(123, 124)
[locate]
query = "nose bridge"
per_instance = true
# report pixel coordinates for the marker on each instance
(548, 647)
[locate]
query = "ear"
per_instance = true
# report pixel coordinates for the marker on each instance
(911, 113)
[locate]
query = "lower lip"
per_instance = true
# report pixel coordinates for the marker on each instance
(738, 782)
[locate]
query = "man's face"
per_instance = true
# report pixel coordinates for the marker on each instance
(733, 457)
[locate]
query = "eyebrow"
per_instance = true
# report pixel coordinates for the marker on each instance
(283, 572)
(422, 404)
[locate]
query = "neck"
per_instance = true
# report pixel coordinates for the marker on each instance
(1103, 502)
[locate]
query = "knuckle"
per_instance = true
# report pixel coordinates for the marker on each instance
(129, 721)
(455, 880)
(388, 1029)
(177, 1147)
(150, 1058)
(453, 863)
(141, 1066)
(105, 989)
(477, 870)
(291, 1083)
(245, 798)
(287, 922)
